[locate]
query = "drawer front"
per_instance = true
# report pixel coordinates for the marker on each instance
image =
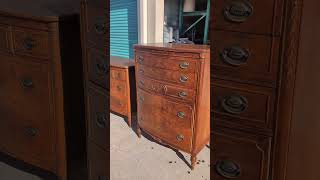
(31, 126)
(251, 16)
(97, 26)
(98, 112)
(97, 163)
(240, 157)
(164, 119)
(117, 74)
(4, 38)
(242, 104)
(245, 57)
(166, 90)
(98, 68)
(176, 63)
(119, 105)
(174, 77)
(31, 42)
(118, 89)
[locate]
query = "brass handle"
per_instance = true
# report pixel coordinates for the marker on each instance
(183, 79)
(238, 11)
(184, 65)
(141, 71)
(182, 94)
(31, 131)
(27, 83)
(234, 104)
(140, 59)
(29, 43)
(141, 83)
(119, 88)
(234, 55)
(101, 120)
(180, 137)
(181, 114)
(228, 169)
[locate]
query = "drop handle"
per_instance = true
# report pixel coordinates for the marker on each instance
(182, 94)
(238, 11)
(180, 137)
(228, 169)
(27, 83)
(101, 68)
(100, 27)
(31, 131)
(140, 59)
(235, 56)
(183, 79)
(29, 43)
(101, 120)
(234, 104)
(181, 114)
(119, 88)
(141, 83)
(184, 65)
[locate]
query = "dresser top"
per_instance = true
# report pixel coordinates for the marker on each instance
(41, 10)
(176, 47)
(121, 62)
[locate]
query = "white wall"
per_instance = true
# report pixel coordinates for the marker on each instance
(151, 16)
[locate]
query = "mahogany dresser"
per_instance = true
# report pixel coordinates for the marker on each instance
(122, 87)
(95, 46)
(264, 66)
(173, 95)
(41, 124)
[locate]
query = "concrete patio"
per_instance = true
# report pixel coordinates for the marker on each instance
(142, 159)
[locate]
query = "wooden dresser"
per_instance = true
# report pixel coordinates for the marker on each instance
(95, 46)
(122, 87)
(173, 95)
(262, 58)
(41, 105)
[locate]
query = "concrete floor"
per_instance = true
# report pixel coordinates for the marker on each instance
(142, 159)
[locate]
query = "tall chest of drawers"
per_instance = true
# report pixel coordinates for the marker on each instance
(40, 75)
(173, 95)
(254, 59)
(95, 46)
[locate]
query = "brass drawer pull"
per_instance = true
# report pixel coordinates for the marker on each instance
(182, 94)
(101, 120)
(31, 131)
(141, 71)
(238, 11)
(235, 55)
(181, 114)
(29, 43)
(184, 65)
(27, 83)
(141, 83)
(180, 137)
(140, 59)
(234, 104)
(119, 88)
(228, 169)
(183, 79)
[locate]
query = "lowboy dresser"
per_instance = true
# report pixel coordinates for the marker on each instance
(122, 87)
(265, 89)
(96, 68)
(173, 95)
(41, 107)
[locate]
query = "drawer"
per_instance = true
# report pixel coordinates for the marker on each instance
(243, 105)
(173, 77)
(251, 16)
(4, 38)
(118, 89)
(167, 90)
(98, 120)
(98, 68)
(244, 57)
(98, 160)
(32, 125)
(176, 63)
(32, 43)
(240, 156)
(168, 120)
(118, 74)
(119, 105)
(97, 26)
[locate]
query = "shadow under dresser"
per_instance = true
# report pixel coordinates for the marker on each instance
(41, 108)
